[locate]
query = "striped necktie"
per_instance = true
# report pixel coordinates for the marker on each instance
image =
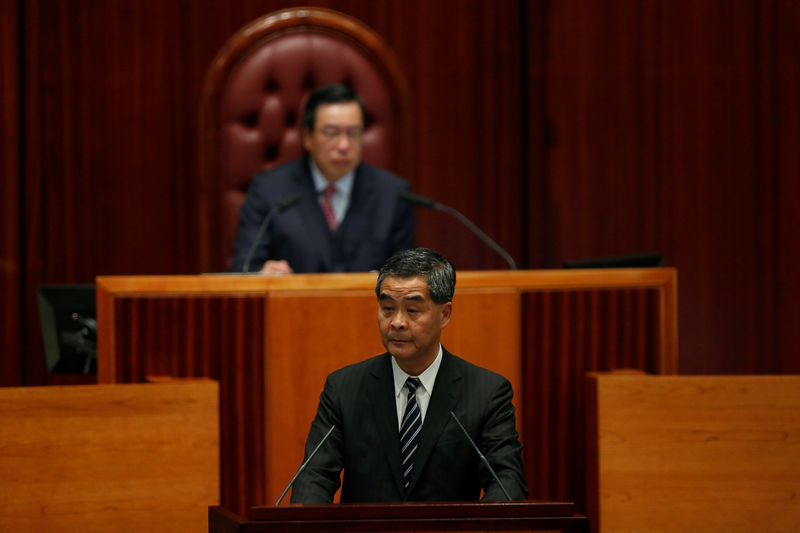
(409, 430)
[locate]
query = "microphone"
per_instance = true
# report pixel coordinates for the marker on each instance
(305, 463)
(481, 455)
(422, 201)
(278, 209)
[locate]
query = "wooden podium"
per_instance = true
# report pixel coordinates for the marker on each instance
(419, 517)
(270, 339)
(693, 453)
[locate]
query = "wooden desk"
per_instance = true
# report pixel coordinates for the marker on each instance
(270, 338)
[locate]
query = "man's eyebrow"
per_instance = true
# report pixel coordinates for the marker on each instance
(415, 297)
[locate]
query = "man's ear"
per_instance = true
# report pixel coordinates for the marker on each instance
(305, 135)
(447, 311)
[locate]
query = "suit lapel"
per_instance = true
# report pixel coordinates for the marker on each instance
(385, 412)
(446, 393)
(313, 220)
(357, 221)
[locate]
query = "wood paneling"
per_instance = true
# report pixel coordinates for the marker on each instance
(694, 453)
(109, 458)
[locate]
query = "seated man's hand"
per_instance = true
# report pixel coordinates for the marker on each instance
(276, 267)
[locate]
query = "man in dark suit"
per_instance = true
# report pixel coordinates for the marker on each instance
(394, 436)
(347, 215)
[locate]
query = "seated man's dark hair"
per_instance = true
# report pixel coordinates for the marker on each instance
(425, 263)
(329, 94)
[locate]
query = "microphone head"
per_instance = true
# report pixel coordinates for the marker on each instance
(287, 203)
(418, 200)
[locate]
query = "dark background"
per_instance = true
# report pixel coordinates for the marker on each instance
(566, 129)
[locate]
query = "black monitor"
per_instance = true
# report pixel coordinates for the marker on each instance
(69, 328)
(653, 259)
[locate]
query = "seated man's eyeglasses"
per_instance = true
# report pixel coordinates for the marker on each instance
(354, 133)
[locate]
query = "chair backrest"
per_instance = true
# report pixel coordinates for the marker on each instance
(252, 102)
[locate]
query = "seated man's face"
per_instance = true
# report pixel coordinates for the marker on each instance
(335, 143)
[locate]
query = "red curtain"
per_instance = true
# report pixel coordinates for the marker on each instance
(674, 128)
(565, 129)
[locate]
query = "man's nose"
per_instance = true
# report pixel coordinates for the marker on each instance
(399, 321)
(343, 142)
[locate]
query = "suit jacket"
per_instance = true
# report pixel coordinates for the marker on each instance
(360, 401)
(377, 223)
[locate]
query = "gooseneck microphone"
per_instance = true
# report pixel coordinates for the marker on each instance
(423, 201)
(305, 463)
(481, 455)
(287, 202)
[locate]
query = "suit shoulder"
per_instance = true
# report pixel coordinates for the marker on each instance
(383, 177)
(357, 370)
(475, 370)
(279, 175)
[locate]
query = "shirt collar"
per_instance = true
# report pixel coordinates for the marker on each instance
(428, 377)
(343, 186)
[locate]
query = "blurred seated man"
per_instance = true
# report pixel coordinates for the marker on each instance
(346, 216)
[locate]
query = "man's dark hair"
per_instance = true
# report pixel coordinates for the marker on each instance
(330, 94)
(425, 263)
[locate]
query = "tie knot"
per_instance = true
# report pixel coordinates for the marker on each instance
(330, 190)
(413, 384)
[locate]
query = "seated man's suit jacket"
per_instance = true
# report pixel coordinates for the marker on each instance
(376, 225)
(359, 400)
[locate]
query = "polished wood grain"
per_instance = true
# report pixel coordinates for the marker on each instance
(694, 453)
(528, 279)
(97, 458)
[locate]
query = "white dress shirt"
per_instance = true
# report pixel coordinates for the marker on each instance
(424, 392)
(341, 198)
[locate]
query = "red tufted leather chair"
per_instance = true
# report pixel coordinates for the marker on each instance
(252, 104)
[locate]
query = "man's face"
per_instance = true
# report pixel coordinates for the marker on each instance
(335, 143)
(410, 322)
